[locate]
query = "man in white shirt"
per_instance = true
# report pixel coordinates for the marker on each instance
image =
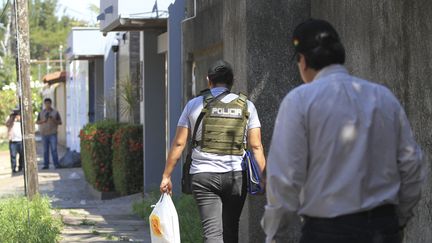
(343, 155)
(13, 125)
(218, 179)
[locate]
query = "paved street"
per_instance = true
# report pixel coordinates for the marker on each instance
(86, 218)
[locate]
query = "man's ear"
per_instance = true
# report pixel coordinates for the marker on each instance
(209, 84)
(302, 62)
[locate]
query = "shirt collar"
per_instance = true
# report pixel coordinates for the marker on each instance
(330, 70)
(218, 90)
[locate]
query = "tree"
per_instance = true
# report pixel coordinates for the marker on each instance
(47, 33)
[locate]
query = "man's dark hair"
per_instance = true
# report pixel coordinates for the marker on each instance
(319, 42)
(48, 100)
(221, 72)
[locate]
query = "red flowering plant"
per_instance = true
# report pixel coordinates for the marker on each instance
(96, 154)
(128, 159)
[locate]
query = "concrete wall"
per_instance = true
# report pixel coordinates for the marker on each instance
(389, 42)
(386, 41)
(110, 79)
(154, 111)
(129, 71)
(174, 96)
(202, 44)
(77, 103)
(270, 75)
(99, 88)
(60, 105)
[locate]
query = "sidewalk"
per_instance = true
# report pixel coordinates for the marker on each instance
(86, 218)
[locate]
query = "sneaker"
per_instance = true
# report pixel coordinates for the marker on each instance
(14, 171)
(45, 168)
(57, 166)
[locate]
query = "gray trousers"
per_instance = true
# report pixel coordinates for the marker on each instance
(220, 198)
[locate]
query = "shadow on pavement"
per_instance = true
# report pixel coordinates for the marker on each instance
(86, 218)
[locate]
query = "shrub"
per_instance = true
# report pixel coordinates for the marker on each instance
(96, 154)
(187, 210)
(14, 224)
(128, 159)
(8, 101)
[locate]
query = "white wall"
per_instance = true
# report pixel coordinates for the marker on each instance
(77, 102)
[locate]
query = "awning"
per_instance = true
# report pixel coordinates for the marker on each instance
(135, 24)
(133, 15)
(55, 77)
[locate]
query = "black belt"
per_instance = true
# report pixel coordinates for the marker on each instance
(387, 210)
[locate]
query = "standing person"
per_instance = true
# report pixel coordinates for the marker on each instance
(343, 155)
(48, 120)
(218, 181)
(13, 125)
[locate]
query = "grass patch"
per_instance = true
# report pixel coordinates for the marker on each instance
(189, 220)
(86, 222)
(74, 213)
(15, 227)
(107, 236)
(4, 145)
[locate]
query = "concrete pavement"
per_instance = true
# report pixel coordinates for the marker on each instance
(86, 218)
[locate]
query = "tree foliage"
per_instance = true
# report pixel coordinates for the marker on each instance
(47, 33)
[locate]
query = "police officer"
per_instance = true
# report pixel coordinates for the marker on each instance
(218, 181)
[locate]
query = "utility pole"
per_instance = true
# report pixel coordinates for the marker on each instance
(23, 74)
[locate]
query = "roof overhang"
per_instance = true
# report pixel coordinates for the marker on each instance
(130, 15)
(55, 77)
(85, 43)
(128, 24)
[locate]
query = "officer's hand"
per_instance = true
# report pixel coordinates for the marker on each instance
(166, 185)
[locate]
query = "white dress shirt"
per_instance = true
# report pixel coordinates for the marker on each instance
(340, 145)
(209, 162)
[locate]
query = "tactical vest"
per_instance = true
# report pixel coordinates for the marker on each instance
(224, 125)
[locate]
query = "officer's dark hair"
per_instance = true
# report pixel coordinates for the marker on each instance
(221, 72)
(319, 42)
(48, 100)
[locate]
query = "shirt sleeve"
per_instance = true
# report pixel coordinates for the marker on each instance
(184, 118)
(9, 122)
(254, 121)
(286, 168)
(58, 117)
(410, 164)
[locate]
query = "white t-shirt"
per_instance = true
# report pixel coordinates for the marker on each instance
(16, 135)
(209, 162)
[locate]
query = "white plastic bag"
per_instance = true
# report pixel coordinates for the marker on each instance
(164, 224)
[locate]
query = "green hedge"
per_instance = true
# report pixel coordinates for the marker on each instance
(97, 154)
(128, 159)
(15, 227)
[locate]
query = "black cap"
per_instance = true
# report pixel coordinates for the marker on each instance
(313, 33)
(219, 67)
(16, 110)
